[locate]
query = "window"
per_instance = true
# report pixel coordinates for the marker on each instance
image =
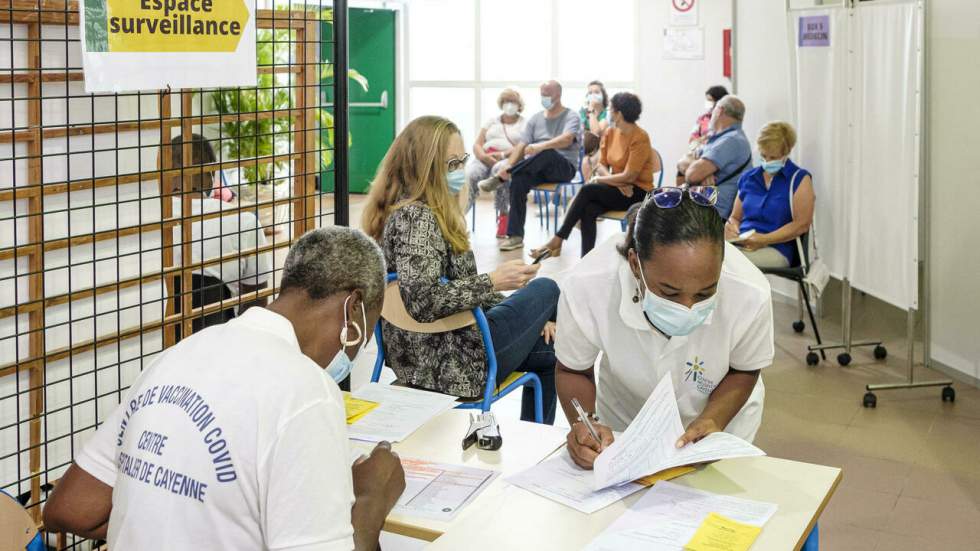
(463, 52)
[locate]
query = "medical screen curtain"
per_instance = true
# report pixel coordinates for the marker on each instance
(858, 113)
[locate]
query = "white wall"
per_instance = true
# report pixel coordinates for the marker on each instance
(952, 40)
(672, 91)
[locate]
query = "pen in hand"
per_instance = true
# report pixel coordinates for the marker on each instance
(585, 420)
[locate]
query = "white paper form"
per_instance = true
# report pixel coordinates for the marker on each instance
(648, 444)
(560, 479)
(401, 411)
(668, 515)
(439, 491)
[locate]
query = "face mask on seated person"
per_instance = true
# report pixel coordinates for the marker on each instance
(510, 109)
(595, 97)
(456, 180)
(773, 167)
(672, 318)
(547, 102)
(341, 365)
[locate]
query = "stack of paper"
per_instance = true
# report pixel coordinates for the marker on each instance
(646, 447)
(649, 443)
(668, 516)
(400, 412)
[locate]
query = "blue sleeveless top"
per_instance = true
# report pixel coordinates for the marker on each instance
(767, 210)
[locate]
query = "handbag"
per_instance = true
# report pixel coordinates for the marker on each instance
(590, 142)
(816, 273)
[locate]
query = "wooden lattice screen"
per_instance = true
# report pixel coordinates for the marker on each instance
(95, 278)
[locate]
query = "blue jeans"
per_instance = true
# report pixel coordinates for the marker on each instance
(515, 330)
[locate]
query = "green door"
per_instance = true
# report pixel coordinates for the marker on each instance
(372, 111)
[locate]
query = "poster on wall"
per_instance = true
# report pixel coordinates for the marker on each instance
(683, 13)
(814, 31)
(130, 45)
(683, 43)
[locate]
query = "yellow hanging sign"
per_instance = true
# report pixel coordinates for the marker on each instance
(175, 25)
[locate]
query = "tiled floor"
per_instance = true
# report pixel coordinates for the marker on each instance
(911, 466)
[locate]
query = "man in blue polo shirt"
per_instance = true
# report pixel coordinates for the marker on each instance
(725, 156)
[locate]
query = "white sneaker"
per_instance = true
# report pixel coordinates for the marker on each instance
(512, 244)
(489, 184)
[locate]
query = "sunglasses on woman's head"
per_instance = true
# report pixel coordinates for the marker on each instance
(456, 164)
(670, 197)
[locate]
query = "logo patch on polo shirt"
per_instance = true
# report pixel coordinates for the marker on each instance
(695, 375)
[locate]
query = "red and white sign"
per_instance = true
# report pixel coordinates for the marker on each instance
(683, 13)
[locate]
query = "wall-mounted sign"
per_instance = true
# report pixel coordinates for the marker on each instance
(153, 44)
(814, 31)
(683, 13)
(684, 43)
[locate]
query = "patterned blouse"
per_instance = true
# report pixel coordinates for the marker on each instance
(453, 362)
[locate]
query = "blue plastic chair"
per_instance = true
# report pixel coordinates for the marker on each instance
(812, 542)
(491, 393)
(548, 194)
(621, 214)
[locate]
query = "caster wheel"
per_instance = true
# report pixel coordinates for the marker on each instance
(844, 359)
(812, 358)
(949, 394)
(870, 400)
(799, 326)
(880, 352)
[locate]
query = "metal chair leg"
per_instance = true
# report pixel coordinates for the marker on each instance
(813, 319)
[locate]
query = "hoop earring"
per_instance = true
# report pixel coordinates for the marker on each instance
(343, 335)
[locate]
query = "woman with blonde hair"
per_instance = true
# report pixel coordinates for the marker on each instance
(775, 201)
(413, 210)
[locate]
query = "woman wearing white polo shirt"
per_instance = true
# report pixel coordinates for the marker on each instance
(672, 297)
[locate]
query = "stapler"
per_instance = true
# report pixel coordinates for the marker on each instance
(484, 432)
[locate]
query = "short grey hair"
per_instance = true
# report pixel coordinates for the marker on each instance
(733, 107)
(334, 260)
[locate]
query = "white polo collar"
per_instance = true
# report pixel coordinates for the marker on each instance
(266, 320)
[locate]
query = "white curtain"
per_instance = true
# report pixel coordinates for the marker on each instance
(857, 116)
(883, 251)
(821, 125)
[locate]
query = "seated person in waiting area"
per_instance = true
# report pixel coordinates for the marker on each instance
(763, 205)
(246, 449)
(724, 157)
(412, 212)
(594, 116)
(212, 238)
(623, 178)
(491, 150)
(547, 153)
(670, 298)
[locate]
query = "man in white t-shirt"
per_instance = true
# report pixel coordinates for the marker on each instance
(671, 299)
(246, 449)
(233, 234)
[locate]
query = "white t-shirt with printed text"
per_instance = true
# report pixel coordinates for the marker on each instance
(596, 313)
(242, 446)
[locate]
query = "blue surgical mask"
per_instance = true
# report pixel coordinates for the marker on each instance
(773, 167)
(456, 180)
(595, 97)
(341, 365)
(547, 102)
(672, 318)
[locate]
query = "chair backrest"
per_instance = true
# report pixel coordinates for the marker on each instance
(660, 179)
(395, 313)
(17, 530)
(803, 241)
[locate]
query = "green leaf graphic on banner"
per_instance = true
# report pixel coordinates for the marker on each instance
(96, 34)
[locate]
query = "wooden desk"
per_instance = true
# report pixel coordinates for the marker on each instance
(440, 440)
(517, 519)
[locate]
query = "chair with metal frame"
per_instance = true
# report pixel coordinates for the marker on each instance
(395, 313)
(556, 193)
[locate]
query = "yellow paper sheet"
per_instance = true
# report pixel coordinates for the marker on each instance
(718, 533)
(669, 474)
(356, 409)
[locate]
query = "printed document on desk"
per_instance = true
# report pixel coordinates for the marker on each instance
(438, 491)
(560, 479)
(648, 443)
(668, 515)
(401, 411)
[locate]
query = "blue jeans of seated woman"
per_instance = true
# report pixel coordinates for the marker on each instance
(515, 330)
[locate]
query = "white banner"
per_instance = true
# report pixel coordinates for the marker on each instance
(152, 44)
